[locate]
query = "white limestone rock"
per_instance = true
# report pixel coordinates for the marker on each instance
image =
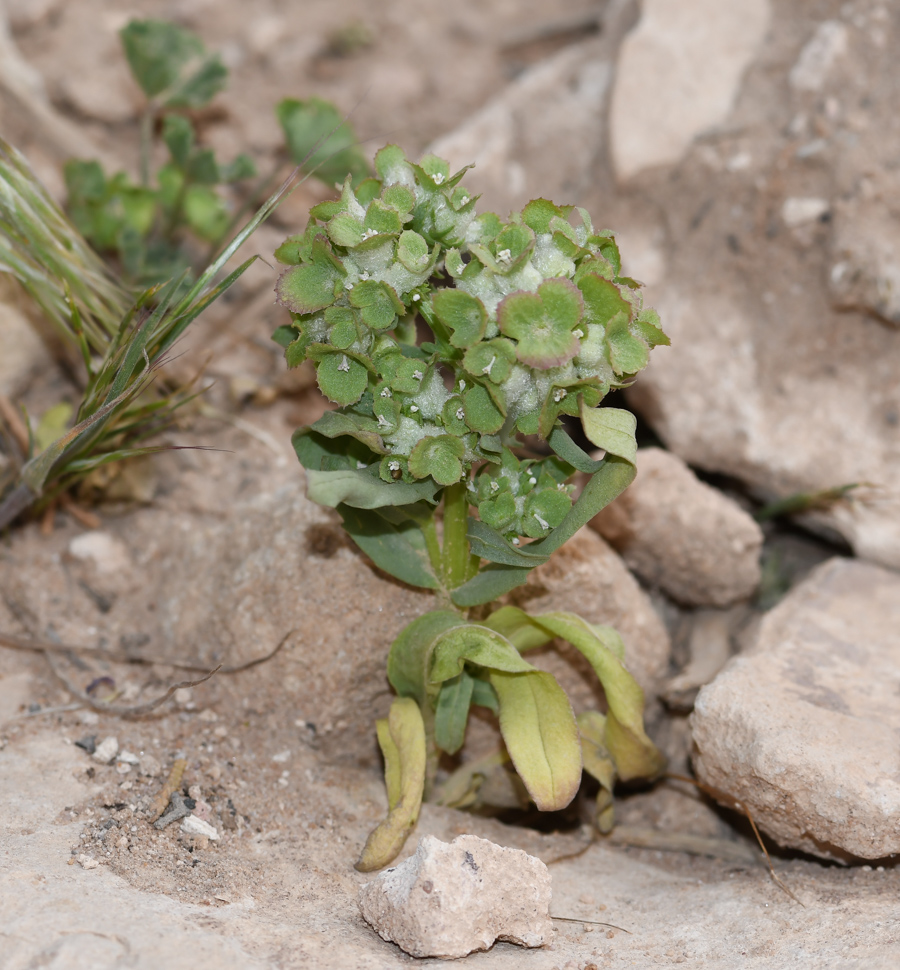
(802, 729)
(683, 536)
(448, 900)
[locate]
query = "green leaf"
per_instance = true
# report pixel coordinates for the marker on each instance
(538, 213)
(321, 140)
(611, 429)
(491, 359)
(284, 335)
(438, 456)
(412, 251)
(634, 754)
(310, 286)
(482, 413)
(205, 213)
(488, 543)
(483, 695)
(409, 658)
(398, 549)
(541, 736)
(602, 299)
(627, 353)
(378, 304)
(311, 446)
(476, 644)
(542, 323)
(404, 747)
(516, 625)
(200, 87)
(489, 584)
(463, 315)
(341, 379)
(452, 712)
(362, 490)
(165, 58)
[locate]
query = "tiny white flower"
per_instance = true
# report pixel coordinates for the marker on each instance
(532, 480)
(464, 200)
(487, 370)
(394, 466)
(418, 375)
(559, 394)
(504, 256)
(363, 275)
(438, 178)
(416, 297)
(495, 487)
(369, 233)
(462, 386)
(385, 392)
(344, 365)
(381, 422)
(578, 332)
(515, 541)
(541, 522)
(460, 414)
(414, 409)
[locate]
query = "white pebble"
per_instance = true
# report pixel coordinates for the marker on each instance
(196, 826)
(106, 750)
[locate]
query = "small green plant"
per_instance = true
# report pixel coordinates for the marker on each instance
(529, 320)
(167, 222)
(164, 240)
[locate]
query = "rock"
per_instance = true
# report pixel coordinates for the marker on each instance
(108, 554)
(803, 728)
(771, 378)
(678, 75)
(193, 825)
(588, 578)
(86, 862)
(683, 536)
(447, 901)
(106, 750)
(559, 101)
(709, 649)
(865, 274)
(798, 211)
(818, 56)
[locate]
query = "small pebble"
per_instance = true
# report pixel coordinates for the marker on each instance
(129, 758)
(196, 826)
(106, 750)
(86, 862)
(88, 743)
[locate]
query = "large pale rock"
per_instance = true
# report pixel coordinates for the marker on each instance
(449, 900)
(589, 578)
(683, 536)
(783, 264)
(802, 729)
(678, 76)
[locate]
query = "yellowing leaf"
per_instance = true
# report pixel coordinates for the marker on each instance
(541, 736)
(403, 746)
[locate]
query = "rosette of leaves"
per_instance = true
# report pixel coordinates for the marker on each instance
(530, 320)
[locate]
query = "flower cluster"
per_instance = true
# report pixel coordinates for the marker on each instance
(528, 318)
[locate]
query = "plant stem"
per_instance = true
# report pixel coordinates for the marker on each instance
(456, 543)
(146, 144)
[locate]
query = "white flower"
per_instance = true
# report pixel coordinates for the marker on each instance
(487, 370)
(344, 365)
(460, 414)
(541, 522)
(504, 256)
(438, 178)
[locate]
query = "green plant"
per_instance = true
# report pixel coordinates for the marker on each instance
(117, 321)
(122, 339)
(166, 223)
(529, 319)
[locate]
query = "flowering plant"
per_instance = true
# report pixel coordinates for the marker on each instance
(525, 321)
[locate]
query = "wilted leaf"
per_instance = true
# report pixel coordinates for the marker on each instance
(403, 746)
